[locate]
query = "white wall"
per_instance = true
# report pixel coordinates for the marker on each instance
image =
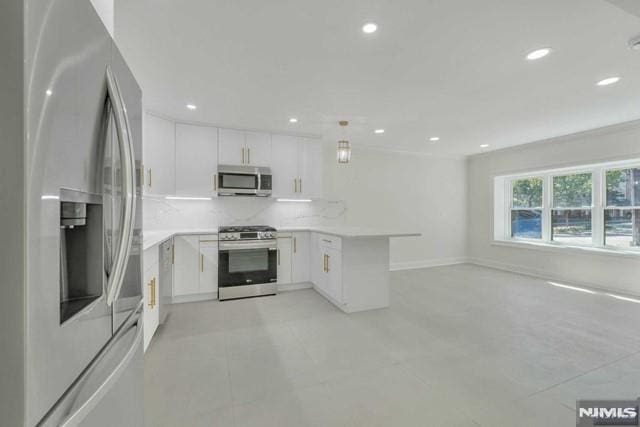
(105, 11)
(603, 271)
(407, 192)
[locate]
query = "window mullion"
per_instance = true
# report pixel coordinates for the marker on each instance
(597, 212)
(547, 189)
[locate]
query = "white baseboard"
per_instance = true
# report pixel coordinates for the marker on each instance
(294, 286)
(540, 274)
(427, 263)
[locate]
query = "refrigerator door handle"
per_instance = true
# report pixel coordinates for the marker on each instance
(123, 129)
(59, 415)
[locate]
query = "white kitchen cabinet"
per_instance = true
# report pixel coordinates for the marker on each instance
(243, 148)
(159, 155)
(258, 146)
(208, 281)
(284, 260)
(231, 147)
(151, 289)
(196, 160)
(334, 273)
(326, 266)
(186, 269)
(284, 166)
(300, 257)
(310, 168)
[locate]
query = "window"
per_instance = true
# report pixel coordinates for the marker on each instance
(571, 213)
(622, 212)
(587, 206)
(526, 208)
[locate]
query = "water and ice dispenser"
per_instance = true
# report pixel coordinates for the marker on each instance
(81, 251)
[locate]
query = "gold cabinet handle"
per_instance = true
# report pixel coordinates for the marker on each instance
(295, 185)
(201, 263)
(243, 155)
(248, 156)
(295, 245)
(328, 259)
(150, 178)
(154, 293)
(150, 284)
(300, 181)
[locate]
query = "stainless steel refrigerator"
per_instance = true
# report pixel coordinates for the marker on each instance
(82, 228)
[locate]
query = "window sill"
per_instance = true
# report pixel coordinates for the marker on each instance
(543, 246)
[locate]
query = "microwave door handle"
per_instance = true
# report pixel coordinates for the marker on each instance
(123, 248)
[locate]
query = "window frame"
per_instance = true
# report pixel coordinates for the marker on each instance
(503, 206)
(511, 209)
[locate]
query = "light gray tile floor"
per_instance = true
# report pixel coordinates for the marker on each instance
(459, 346)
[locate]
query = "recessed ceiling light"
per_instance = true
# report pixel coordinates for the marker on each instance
(484, 145)
(369, 28)
(293, 120)
(608, 81)
(538, 53)
(379, 131)
(434, 138)
(191, 107)
(49, 92)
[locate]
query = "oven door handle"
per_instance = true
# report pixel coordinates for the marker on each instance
(252, 244)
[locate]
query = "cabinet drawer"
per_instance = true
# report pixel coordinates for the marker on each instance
(208, 237)
(329, 241)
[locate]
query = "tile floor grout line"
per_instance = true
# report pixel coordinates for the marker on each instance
(604, 365)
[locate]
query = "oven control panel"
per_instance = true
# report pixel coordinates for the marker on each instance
(254, 235)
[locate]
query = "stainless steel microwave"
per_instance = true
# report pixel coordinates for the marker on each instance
(244, 181)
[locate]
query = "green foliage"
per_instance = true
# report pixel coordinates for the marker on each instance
(527, 193)
(572, 191)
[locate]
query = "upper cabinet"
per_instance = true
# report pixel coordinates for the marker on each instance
(196, 160)
(296, 165)
(244, 148)
(158, 153)
(284, 166)
(310, 168)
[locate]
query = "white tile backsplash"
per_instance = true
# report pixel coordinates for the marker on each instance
(161, 214)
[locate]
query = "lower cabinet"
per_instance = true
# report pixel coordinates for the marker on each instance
(208, 278)
(195, 268)
(326, 265)
(285, 248)
(151, 317)
(300, 257)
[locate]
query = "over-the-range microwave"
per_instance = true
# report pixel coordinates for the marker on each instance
(244, 181)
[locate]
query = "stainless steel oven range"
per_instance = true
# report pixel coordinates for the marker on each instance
(247, 261)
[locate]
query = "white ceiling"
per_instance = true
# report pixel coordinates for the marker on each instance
(453, 69)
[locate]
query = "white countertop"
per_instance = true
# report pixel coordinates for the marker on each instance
(351, 232)
(154, 237)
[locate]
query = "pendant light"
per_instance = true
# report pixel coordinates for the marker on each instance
(344, 148)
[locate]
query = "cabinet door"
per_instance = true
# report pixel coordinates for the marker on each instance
(186, 269)
(300, 257)
(316, 262)
(284, 165)
(196, 160)
(231, 147)
(159, 155)
(284, 260)
(310, 161)
(208, 267)
(334, 274)
(150, 309)
(258, 148)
